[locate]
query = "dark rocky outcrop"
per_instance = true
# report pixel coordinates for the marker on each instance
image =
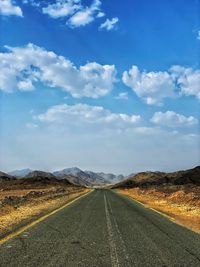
(145, 179)
(6, 177)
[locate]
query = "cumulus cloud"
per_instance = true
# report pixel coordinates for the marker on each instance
(65, 114)
(173, 119)
(153, 87)
(81, 18)
(85, 15)
(62, 8)
(109, 24)
(22, 67)
(187, 80)
(77, 13)
(8, 8)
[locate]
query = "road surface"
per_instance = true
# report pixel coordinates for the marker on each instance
(103, 229)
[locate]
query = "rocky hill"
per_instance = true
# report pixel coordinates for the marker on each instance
(40, 176)
(145, 179)
(75, 180)
(35, 179)
(6, 177)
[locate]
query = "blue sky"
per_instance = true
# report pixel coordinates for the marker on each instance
(99, 85)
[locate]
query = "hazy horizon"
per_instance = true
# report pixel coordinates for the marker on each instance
(98, 171)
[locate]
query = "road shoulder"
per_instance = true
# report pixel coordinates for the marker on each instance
(175, 213)
(40, 213)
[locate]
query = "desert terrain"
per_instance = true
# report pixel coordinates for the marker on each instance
(175, 194)
(23, 200)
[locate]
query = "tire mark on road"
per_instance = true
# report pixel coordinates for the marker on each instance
(113, 249)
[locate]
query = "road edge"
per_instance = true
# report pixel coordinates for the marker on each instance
(173, 220)
(40, 219)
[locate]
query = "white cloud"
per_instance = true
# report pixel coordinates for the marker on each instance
(83, 113)
(34, 3)
(109, 24)
(187, 80)
(7, 8)
(153, 87)
(100, 15)
(81, 18)
(123, 95)
(85, 15)
(76, 13)
(25, 85)
(22, 67)
(79, 15)
(173, 119)
(62, 8)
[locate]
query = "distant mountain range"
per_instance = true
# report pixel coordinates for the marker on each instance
(89, 177)
(79, 177)
(74, 175)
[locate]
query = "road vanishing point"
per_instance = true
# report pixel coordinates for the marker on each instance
(104, 229)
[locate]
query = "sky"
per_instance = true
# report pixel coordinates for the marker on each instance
(101, 85)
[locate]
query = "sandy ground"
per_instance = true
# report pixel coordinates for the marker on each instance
(20, 206)
(181, 205)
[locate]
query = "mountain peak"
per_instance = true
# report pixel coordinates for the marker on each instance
(73, 169)
(20, 173)
(68, 171)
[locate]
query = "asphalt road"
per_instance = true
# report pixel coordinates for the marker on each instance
(103, 229)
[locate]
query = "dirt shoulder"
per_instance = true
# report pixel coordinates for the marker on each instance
(19, 207)
(182, 203)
